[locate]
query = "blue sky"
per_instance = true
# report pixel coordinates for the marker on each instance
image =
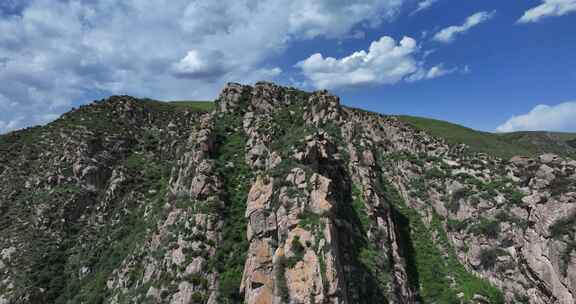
(490, 65)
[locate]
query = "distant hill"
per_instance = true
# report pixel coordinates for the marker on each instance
(504, 145)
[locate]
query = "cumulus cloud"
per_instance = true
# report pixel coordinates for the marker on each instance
(201, 66)
(448, 34)
(548, 8)
(423, 5)
(56, 52)
(385, 62)
(561, 117)
(433, 72)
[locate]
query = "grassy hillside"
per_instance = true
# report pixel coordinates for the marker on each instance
(556, 142)
(503, 145)
(201, 106)
(96, 119)
(196, 106)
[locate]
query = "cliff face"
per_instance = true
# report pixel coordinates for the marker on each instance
(276, 196)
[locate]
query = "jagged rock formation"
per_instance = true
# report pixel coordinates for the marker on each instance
(275, 196)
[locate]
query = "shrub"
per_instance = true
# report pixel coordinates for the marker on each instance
(136, 162)
(309, 220)
(514, 196)
(456, 225)
(208, 207)
(197, 297)
(229, 288)
(560, 185)
(489, 257)
(435, 173)
(504, 216)
(488, 228)
(418, 186)
(567, 256)
(565, 226)
(507, 242)
(197, 280)
(565, 230)
(452, 205)
(298, 251)
(521, 299)
(280, 275)
(460, 194)
(360, 208)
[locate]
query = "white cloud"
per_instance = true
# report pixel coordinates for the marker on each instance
(433, 72)
(561, 117)
(449, 34)
(335, 18)
(200, 66)
(385, 62)
(548, 8)
(55, 52)
(423, 5)
(10, 124)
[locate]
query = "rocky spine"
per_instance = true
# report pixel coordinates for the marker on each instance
(276, 196)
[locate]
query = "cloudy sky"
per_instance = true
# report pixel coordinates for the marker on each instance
(491, 65)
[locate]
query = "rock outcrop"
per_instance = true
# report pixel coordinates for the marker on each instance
(275, 196)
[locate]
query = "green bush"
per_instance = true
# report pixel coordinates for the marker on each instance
(514, 196)
(565, 230)
(435, 173)
(280, 275)
(506, 216)
(456, 225)
(229, 288)
(489, 257)
(461, 193)
(197, 297)
(566, 256)
(452, 205)
(309, 220)
(288, 128)
(418, 188)
(560, 185)
(486, 227)
(565, 226)
(521, 299)
(197, 280)
(360, 208)
(298, 251)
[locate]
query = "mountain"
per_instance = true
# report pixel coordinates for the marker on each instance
(274, 195)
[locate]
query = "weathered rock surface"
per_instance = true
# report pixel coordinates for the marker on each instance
(276, 196)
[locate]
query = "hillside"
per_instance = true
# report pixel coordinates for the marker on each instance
(503, 145)
(275, 195)
(542, 141)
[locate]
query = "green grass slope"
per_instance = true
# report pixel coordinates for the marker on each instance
(503, 145)
(196, 106)
(542, 141)
(201, 106)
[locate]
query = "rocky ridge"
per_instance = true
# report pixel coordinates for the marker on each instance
(276, 196)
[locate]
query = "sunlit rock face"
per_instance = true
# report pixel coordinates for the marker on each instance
(274, 195)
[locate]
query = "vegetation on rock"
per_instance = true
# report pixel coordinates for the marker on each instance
(274, 194)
